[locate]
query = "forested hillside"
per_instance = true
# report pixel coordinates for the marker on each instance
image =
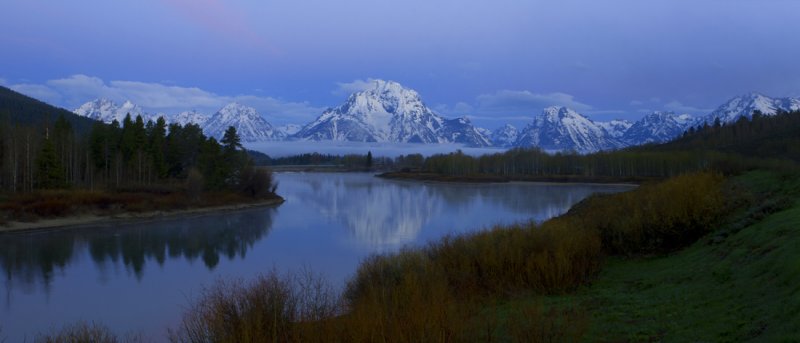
(26, 111)
(46, 148)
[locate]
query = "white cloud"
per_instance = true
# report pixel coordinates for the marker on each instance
(677, 106)
(346, 88)
(73, 91)
(459, 109)
(526, 102)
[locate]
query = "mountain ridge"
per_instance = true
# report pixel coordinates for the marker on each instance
(386, 111)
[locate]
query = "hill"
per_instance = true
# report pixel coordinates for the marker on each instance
(763, 136)
(24, 110)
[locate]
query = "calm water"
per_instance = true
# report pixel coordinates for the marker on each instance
(139, 277)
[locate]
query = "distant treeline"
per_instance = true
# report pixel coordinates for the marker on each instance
(348, 161)
(724, 146)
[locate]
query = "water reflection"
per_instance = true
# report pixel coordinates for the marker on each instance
(383, 214)
(31, 259)
(329, 223)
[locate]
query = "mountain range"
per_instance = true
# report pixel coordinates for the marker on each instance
(385, 111)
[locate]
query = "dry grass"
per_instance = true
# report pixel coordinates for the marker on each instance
(61, 203)
(271, 308)
(655, 218)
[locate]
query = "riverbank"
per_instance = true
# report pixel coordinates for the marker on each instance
(485, 178)
(65, 209)
(738, 283)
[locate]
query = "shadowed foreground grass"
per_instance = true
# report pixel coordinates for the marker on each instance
(741, 283)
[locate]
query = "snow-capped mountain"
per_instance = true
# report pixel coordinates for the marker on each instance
(657, 127)
(250, 126)
(615, 128)
(107, 111)
(388, 112)
(745, 105)
(189, 117)
(289, 129)
(561, 129)
(505, 136)
(460, 130)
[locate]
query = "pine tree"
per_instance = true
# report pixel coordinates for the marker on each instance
(49, 172)
(157, 136)
(231, 140)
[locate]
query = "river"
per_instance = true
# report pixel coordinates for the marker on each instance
(139, 277)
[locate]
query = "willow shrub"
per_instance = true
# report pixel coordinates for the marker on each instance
(551, 258)
(272, 307)
(655, 218)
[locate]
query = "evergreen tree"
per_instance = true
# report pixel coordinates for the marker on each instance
(231, 140)
(50, 173)
(127, 143)
(211, 164)
(235, 159)
(369, 160)
(157, 136)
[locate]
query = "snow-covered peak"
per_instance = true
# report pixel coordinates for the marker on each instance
(107, 111)
(744, 106)
(616, 127)
(561, 128)
(384, 101)
(289, 129)
(386, 111)
(657, 127)
(389, 90)
(237, 110)
(505, 136)
(190, 117)
(250, 125)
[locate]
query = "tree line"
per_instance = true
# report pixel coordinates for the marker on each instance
(709, 145)
(133, 153)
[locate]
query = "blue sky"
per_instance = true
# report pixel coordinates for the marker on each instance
(495, 61)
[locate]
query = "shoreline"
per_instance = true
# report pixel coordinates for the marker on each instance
(69, 222)
(488, 179)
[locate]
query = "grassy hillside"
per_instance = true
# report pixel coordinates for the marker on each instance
(739, 283)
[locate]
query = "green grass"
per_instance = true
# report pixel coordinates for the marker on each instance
(743, 287)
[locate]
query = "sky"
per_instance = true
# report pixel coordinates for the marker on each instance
(496, 62)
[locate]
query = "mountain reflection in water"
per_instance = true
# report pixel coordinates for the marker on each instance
(385, 214)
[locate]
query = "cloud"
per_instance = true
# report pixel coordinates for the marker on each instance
(677, 106)
(2, 81)
(73, 91)
(346, 88)
(636, 103)
(526, 102)
(459, 109)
